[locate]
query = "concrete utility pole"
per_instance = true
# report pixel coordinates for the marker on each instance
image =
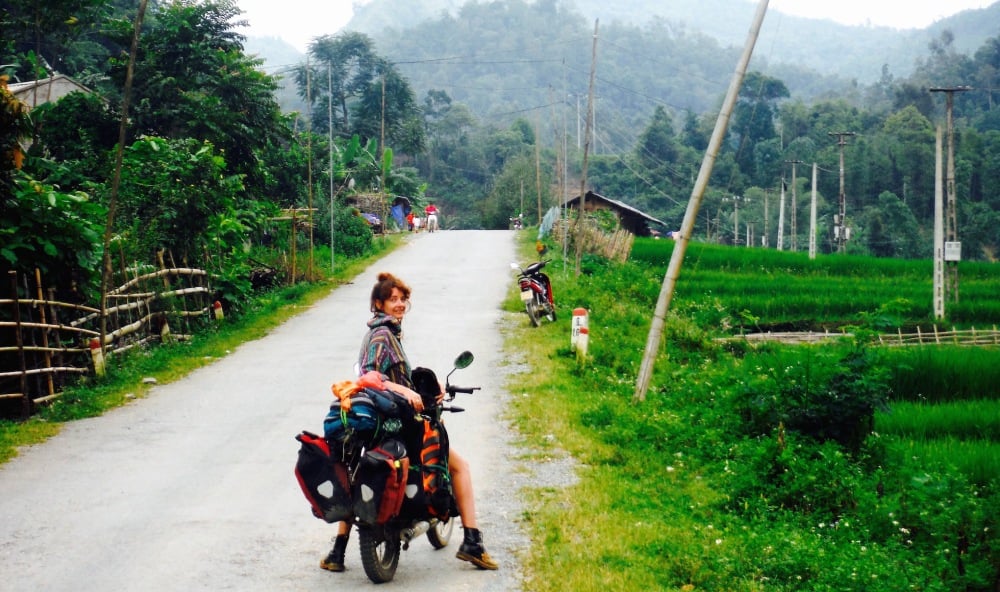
(840, 229)
(953, 247)
(812, 217)
(781, 218)
(938, 285)
(763, 239)
(795, 230)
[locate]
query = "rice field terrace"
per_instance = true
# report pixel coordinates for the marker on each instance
(751, 466)
(788, 291)
(944, 400)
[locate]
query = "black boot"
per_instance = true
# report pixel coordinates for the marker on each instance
(474, 550)
(335, 559)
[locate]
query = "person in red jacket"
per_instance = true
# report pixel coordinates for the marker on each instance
(432, 216)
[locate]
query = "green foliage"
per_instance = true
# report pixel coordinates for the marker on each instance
(746, 468)
(170, 190)
(54, 231)
(192, 80)
(942, 374)
(972, 419)
(353, 236)
(822, 393)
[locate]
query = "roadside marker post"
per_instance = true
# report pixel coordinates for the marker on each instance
(580, 333)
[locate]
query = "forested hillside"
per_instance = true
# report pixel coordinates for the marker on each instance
(483, 110)
(657, 90)
(853, 53)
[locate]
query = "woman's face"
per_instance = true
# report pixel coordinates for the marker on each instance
(396, 305)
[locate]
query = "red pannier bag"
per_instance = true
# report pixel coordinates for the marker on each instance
(323, 479)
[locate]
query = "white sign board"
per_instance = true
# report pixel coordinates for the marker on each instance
(952, 250)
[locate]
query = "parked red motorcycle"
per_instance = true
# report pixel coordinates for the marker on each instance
(536, 292)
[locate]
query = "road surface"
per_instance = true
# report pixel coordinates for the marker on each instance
(192, 487)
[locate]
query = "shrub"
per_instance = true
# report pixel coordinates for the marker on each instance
(816, 394)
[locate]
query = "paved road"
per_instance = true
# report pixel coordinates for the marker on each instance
(191, 487)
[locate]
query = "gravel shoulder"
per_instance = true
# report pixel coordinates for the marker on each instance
(192, 486)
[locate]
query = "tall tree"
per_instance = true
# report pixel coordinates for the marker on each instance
(192, 80)
(753, 120)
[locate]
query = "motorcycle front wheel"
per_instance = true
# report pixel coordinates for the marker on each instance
(531, 307)
(440, 533)
(379, 554)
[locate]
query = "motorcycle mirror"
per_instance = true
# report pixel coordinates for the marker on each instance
(464, 359)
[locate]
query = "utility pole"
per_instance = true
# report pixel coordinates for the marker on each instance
(795, 230)
(952, 246)
(579, 226)
(840, 229)
(736, 220)
(812, 217)
(763, 240)
(781, 218)
(938, 284)
(655, 338)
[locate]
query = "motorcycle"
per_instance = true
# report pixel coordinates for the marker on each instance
(536, 292)
(381, 540)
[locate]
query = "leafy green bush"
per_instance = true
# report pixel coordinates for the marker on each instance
(810, 391)
(354, 236)
(56, 232)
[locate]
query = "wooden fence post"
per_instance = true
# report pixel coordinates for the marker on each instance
(25, 398)
(46, 355)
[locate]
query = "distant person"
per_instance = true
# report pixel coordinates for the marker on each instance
(432, 217)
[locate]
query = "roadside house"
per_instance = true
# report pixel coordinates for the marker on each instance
(630, 219)
(46, 90)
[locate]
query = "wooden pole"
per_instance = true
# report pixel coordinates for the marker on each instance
(45, 334)
(119, 156)
(26, 402)
(687, 226)
(586, 149)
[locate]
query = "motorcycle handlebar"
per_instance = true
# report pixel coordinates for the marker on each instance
(468, 390)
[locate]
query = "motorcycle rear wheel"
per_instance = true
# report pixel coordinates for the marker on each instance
(440, 533)
(531, 307)
(379, 554)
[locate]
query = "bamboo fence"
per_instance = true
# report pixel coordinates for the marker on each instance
(969, 337)
(44, 341)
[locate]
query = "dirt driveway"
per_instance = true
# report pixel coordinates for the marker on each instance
(191, 488)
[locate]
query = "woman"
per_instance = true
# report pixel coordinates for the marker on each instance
(382, 351)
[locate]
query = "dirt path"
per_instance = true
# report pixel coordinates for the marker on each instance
(191, 488)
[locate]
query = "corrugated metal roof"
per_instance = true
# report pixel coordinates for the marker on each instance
(617, 204)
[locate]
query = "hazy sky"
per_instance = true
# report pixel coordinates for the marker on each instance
(298, 21)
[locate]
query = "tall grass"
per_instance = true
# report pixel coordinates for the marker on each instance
(963, 420)
(944, 373)
(978, 460)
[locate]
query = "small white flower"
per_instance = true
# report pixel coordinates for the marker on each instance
(718, 541)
